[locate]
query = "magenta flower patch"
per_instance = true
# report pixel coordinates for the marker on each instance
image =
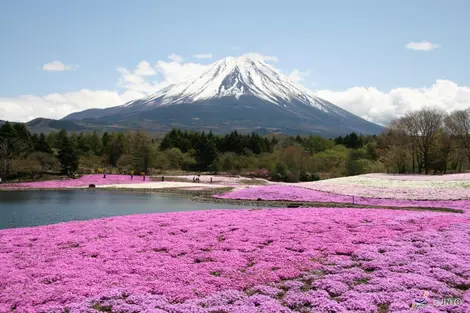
(270, 260)
(83, 181)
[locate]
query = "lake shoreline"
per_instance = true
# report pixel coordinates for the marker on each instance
(206, 196)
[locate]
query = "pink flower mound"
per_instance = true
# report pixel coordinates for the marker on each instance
(80, 182)
(283, 260)
(290, 193)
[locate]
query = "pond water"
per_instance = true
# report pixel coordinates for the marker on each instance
(33, 208)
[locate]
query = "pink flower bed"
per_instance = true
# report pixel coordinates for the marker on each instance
(290, 193)
(80, 182)
(279, 260)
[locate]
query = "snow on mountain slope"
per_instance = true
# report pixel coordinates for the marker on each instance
(233, 92)
(237, 76)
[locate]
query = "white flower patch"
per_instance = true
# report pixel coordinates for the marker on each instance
(385, 182)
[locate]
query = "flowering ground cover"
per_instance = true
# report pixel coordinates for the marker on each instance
(298, 194)
(392, 181)
(406, 187)
(270, 260)
(446, 177)
(83, 181)
(390, 193)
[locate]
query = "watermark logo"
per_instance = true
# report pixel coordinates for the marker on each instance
(426, 300)
(420, 303)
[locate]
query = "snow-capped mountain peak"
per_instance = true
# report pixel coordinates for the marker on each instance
(235, 76)
(236, 92)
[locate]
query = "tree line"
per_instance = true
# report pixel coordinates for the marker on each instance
(428, 140)
(425, 141)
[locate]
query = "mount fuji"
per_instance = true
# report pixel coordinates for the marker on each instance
(235, 93)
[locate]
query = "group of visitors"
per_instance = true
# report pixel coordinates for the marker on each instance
(132, 176)
(198, 179)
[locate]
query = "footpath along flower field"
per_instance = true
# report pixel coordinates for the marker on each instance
(270, 260)
(83, 181)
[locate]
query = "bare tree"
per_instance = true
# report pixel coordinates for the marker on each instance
(400, 138)
(424, 125)
(10, 150)
(458, 124)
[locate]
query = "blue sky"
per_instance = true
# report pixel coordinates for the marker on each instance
(343, 44)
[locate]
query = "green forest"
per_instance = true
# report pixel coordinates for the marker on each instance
(427, 141)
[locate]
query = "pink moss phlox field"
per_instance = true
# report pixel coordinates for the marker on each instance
(291, 193)
(269, 260)
(96, 179)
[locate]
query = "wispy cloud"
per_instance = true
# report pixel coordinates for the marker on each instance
(262, 57)
(176, 58)
(57, 66)
(298, 76)
(422, 46)
(203, 56)
(145, 69)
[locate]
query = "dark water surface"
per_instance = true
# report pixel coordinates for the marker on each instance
(33, 208)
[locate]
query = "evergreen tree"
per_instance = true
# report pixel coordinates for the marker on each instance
(105, 141)
(95, 144)
(41, 145)
(339, 140)
(22, 133)
(206, 152)
(83, 144)
(68, 157)
(7, 132)
(114, 147)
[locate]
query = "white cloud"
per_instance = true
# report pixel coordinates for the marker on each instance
(368, 102)
(298, 76)
(422, 46)
(57, 66)
(176, 58)
(174, 72)
(382, 107)
(203, 56)
(27, 107)
(145, 69)
(259, 56)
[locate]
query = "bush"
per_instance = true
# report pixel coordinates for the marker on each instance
(261, 173)
(304, 176)
(292, 177)
(376, 167)
(307, 176)
(86, 171)
(277, 177)
(315, 177)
